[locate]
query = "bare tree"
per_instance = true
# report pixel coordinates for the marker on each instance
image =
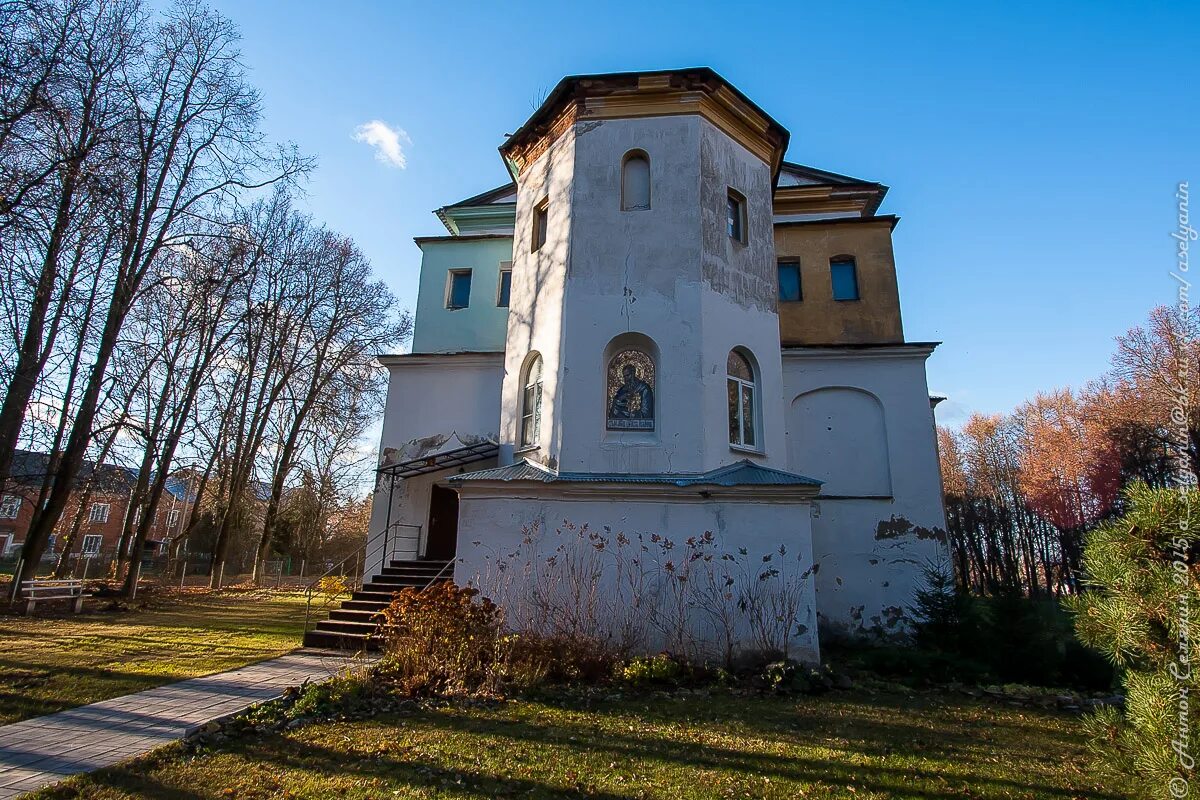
(194, 143)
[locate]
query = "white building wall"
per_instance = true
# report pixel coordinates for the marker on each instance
(872, 532)
(669, 273)
(536, 307)
(495, 522)
(429, 397)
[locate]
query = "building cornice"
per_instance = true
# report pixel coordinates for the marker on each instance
(463, 359)
(699, 91)
(811, 352)
(890, 220)
(627, 492)
(421, 241)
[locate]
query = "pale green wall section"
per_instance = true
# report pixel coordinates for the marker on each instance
(482, 326)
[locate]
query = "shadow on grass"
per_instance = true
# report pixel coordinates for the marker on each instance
(570, 755)
(749, 764)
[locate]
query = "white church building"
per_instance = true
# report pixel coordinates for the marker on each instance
(662, 330)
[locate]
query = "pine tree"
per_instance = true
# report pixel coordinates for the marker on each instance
(1143, 584)
(945, 616)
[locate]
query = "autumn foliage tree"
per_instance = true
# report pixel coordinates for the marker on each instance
(1023, 489)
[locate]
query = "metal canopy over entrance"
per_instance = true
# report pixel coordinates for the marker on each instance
(452, 453)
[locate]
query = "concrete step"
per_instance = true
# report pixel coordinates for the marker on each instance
(367, 605)
(381, 596)
(415, 572)
(409, 563)
(343, 626)
(351, 642)
(402, 580)
(369, 616)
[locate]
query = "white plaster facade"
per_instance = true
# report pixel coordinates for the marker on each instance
(673, 283)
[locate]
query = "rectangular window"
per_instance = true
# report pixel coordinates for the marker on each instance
(741, 413)
(789, 281)
(91, 544)
(845, 279)
(10, 506)
(99, 513)
(735, 216)
(541, 221)
(458, 289)
(505, 288)
(172, 519)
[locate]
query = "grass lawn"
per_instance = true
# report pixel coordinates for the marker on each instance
(845, 745)
(48, 664)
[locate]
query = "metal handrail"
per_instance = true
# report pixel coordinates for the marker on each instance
(361, 560)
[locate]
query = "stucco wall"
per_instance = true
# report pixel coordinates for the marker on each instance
(818, 318)
(495, 523)
(669, 273)
(431, 396)
(536, 314)
(870, 547)
(483, 325)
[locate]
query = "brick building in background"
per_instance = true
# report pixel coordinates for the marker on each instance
(104, 491)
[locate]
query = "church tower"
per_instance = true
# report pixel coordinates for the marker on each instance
(643, 331)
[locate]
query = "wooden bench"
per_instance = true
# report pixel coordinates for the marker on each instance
(36, 591)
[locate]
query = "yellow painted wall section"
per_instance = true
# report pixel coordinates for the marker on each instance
(819, 319)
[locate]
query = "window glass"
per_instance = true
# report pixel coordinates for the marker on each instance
(531, 404)
(733, 217)
(541, 220)
(10, 506)
(789, 281)
(505, 288)
(460, 289)
(845, 279)
(742, 409)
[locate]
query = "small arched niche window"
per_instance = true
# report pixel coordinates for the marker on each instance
(743, 399)
(531, 402)
(635, 181)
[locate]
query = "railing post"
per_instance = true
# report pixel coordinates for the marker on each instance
(16, 587)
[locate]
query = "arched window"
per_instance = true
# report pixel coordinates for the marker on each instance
(635, 181)
(743, 414)
(531, 402)
(630, 391)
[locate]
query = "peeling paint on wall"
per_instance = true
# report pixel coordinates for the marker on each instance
(896, 527)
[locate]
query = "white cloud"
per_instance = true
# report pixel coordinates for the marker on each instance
(386, 140)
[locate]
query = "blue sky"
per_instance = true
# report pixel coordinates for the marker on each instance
(1033, 151)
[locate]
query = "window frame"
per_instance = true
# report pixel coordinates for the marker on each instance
(173, 518)
(84, 550)
(742, 385)
(642, 156)
(840, 261)
(530, 420)
(541, 224)
(735, 224)
(501, 300)
(451, 275)
(779, 266)
(103, 516)
(10, 500)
